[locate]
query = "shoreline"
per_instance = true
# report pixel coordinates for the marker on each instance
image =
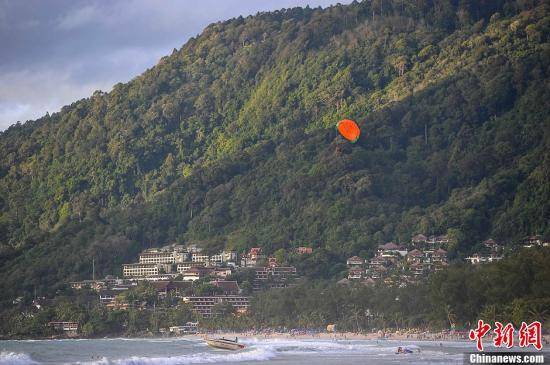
(372, 336)
(440, 337)
(341, 336)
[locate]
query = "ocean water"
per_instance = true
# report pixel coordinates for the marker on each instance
(182, 351)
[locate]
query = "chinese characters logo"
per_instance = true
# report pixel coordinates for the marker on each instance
(504, 334)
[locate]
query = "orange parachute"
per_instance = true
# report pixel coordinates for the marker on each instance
(349, 130)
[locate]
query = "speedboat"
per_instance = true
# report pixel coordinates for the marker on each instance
(224, 344)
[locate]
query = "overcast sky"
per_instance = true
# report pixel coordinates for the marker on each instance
(57, 51)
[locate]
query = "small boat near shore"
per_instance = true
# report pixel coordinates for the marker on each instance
(224, 344)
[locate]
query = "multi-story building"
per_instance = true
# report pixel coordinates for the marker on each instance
(167, 255)
(222, 272)
(229, 256)
(216, 260)
(199, 257)
(144, 270)
(185, 266)
(275, 277)
(204, 305)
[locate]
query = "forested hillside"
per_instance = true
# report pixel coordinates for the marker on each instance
(230, 142)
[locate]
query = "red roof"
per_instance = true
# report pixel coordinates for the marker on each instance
(419, 238)
(390, 246)
(416, 253)
(440, 252)
(255, 250)
(227, 286)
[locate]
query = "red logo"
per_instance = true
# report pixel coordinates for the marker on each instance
(504, 335)
(530, 335)
(478, 333)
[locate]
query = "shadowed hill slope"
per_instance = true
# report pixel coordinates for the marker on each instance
(230, 142)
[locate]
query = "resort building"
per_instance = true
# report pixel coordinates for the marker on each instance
(274, 277)
(70, 328)
(143, 270)
(204, 305)
(222, 273)
(167, 255)
(253, 258)
(185, 266)
(415, 257)
(304, 250)
(391, 249)
(174, 288)
(477, 258)
(186, 329)
(355, 274)
(439, 256)
(196, 273)
(438, 241)
(228, 287)
(355, 261)
(199, 257)
(419, 239)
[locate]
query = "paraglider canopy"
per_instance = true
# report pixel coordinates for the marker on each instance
(349, 130)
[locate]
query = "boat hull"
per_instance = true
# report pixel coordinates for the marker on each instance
(224, 344)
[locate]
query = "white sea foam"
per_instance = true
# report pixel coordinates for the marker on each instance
(296, 346)
(199, 358)
(14, 358)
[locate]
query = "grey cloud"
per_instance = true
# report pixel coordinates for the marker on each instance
(58, 51)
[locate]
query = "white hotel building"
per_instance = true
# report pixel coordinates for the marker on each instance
(144, 270)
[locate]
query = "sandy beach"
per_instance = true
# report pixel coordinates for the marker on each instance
(411, 336)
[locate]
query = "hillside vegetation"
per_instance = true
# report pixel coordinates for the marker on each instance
(230, 142)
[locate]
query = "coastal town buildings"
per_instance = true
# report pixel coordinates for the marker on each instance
(398, 264)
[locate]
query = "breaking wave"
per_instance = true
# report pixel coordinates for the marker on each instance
(14, 358)
(198, 358)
